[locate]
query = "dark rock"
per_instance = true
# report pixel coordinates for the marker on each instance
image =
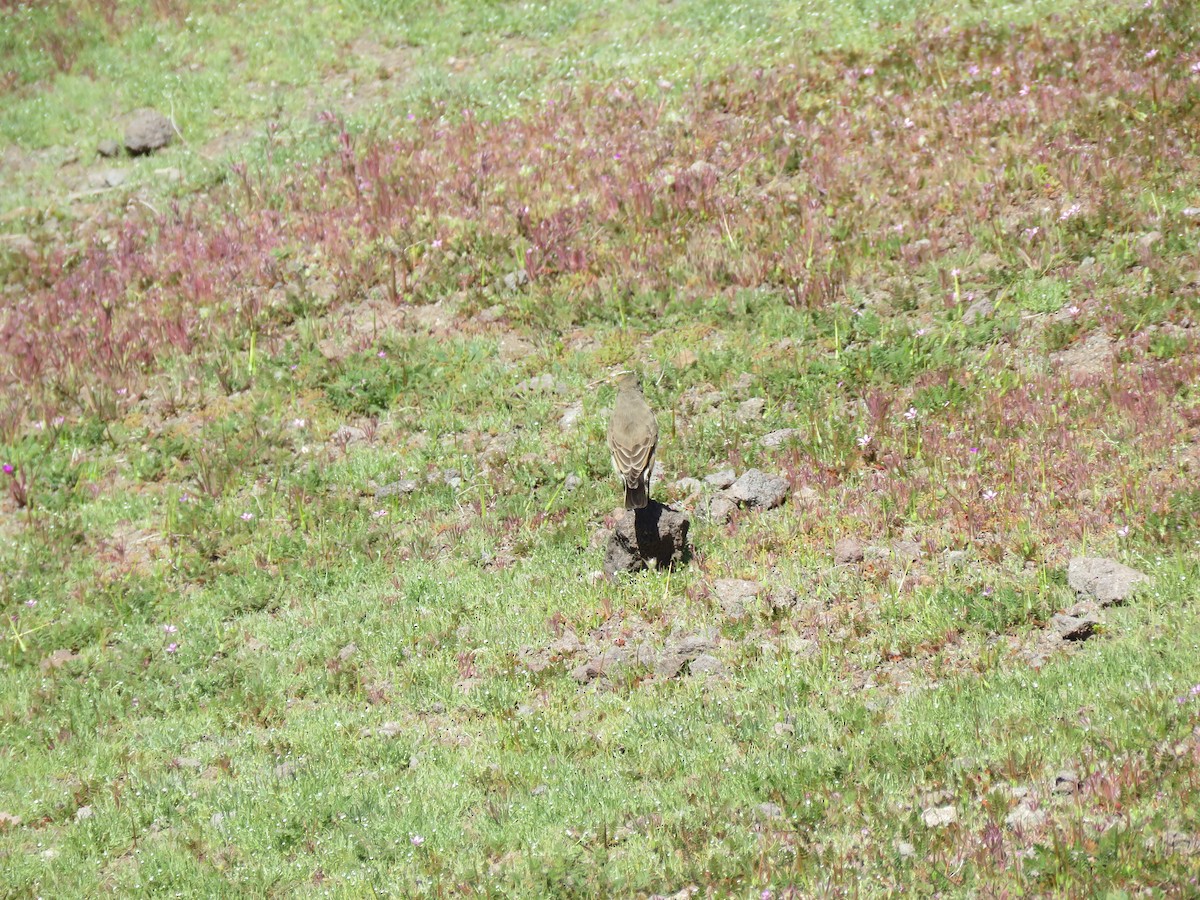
(847, 550)
(108, 148)
(653, 536)
(733, 594)
(148, 131)
(1074, 628)
(758, 490)
(1105, 579)
(397, 488)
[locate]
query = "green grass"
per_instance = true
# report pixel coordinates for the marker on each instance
(227, 667)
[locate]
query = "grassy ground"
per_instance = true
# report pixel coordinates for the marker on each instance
(952, 251)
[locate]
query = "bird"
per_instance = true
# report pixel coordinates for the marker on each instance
(632, 438)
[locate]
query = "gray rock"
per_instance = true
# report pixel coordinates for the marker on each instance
(781, 437)
(783, 598)
(653, 536)
(572, 483)
(733, 594)
(1066, 782)
(492, 314)
(939, 816)
(1191, 212)
(1023, 818)
(847, 551)
(758, 490)
(906, 551)
(108, 148)
(749, 410)
(721, 508)
(769, 811)
(148, 130)
(516, 279)
(676, 656)
(721, 480)
(541, 384)
(84, 812)
(397, 488)
(108, 178)
(1150, 240)
(1074, 628)
(706, 664)
(570, 416)
(1104, 579)
(955, 559)
(980, 309)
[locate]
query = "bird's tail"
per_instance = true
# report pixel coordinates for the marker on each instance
(637, 497)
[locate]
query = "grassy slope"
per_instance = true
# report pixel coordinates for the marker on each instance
(243, 617)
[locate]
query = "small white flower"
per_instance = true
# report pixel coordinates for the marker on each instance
(989, 495)
(911, 413)
(864, 440)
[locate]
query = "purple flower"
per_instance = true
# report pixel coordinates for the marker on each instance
(989, 495)
(864, 440)
(31, 603)
(247, 516)
(172, 647)
(8, 469)
(417, 840)
(170, 629)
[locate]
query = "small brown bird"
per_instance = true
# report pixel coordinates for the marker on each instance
(632, 438)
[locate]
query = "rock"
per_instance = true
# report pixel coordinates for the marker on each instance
(516, 279)
(721, 508)
(706, 664)
(570, 417)
(58, 659)
(598, 665)
(19, 243)
(286, 770)
(398, 488)
(1023, 818)
(980, 309)
(186, 762)
(675, 656)
(108, 178)
(742, 384)
(541, 384)
(655, 535)
(955, 559)
(769, 811)
(348, 651)
(1074, 628)
(1150, 240)
(492, 314)
(783, 598)
(734, 593)
(348, 434)
(108, 148)
(84, 813)
(939, 816)
(682, 894)
(847, 551)
(906, 551)
(8, 820)
(685, 359)
(1104, 579)
(572, 483)
(758, 490)
(699, 399)
(1066, 782)
(721, 480)
(1191, 212)
(749, 410)
(148, 130)
(781, 437)
(1092, 356)
(169, 173)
